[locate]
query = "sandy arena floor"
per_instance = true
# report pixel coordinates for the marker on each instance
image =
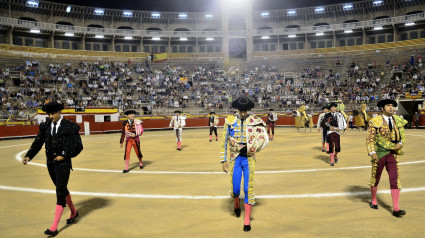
(185, 194)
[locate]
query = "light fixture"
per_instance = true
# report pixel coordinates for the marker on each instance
(378, 28)
(209, 15)
(69, 33)
(182, 15)
(265, 37)
(183, 38)
(128, 37)
(32, 3)
(210, 39)
(320, 34)
(35, 31)
(292, 12)
(347, 6)
(265, 14)
(409, 23)
(319, 10)
(292, 36)
(156, 38)
(99, 36)
(127, 13)
(156, 15)
(68, 9)
(348, 31)
(377, 2)
(99, 11)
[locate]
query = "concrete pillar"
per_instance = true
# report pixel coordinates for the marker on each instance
(306, 41)
(364, 36)
(334, 40)
(249, 38)
(395, 34)
(196, 45)
(10, 36)
(83, 42)
(278, 43)
(113, 43)
(142, 48)
(52, 40)
(169, 45)
(225, 31)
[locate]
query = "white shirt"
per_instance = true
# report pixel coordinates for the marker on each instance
(57, 126)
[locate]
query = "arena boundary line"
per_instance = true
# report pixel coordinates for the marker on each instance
(18, 157)
(202, 197)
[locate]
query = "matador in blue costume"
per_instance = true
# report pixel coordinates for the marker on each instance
(244, 134)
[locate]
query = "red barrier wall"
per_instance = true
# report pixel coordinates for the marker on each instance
(102, 127)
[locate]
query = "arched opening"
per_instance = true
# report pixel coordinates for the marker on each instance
(95, 26)
(293, 26)
(27, 19)
(125, 28)
(321, 24)
(414, 12)
(64, 23)
(351, 21)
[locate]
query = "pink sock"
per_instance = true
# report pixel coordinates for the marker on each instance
(71, 206)
(179, 144)
(332, 158)
(58, 214)
(373, 191)
(126, 164)
(395, 193)
(323, 146)
(140, 162)
(210, 137)
(216, 138)
(336, 155)
(327, 146)
(237, 202)
(247, 213)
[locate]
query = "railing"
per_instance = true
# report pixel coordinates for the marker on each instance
(119, 33)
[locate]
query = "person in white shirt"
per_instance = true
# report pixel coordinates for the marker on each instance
(178, 122)
(334, 122)
(271, 120)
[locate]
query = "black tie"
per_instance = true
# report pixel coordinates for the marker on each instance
(54, 129)
(390, 125)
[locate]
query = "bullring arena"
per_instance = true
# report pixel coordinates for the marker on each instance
(198, 57)
(183, 194)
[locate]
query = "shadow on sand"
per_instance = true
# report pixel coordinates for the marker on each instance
(86, 207)
(363, 196)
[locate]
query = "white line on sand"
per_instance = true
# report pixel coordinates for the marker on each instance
(18, 157)
(189, 197)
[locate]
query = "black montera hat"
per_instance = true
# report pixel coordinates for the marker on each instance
(325, 107)
(177, 111)
(333, 105)
(212, 113)
(271, 109)
(243, 104)
(130, 112)
(52, 107)
(384, 102)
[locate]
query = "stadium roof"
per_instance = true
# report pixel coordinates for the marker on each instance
(195, 5)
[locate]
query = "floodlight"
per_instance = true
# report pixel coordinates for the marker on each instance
(32, 3)
(347, 6)
(99, 11)
(292, 12)
(127, 13)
